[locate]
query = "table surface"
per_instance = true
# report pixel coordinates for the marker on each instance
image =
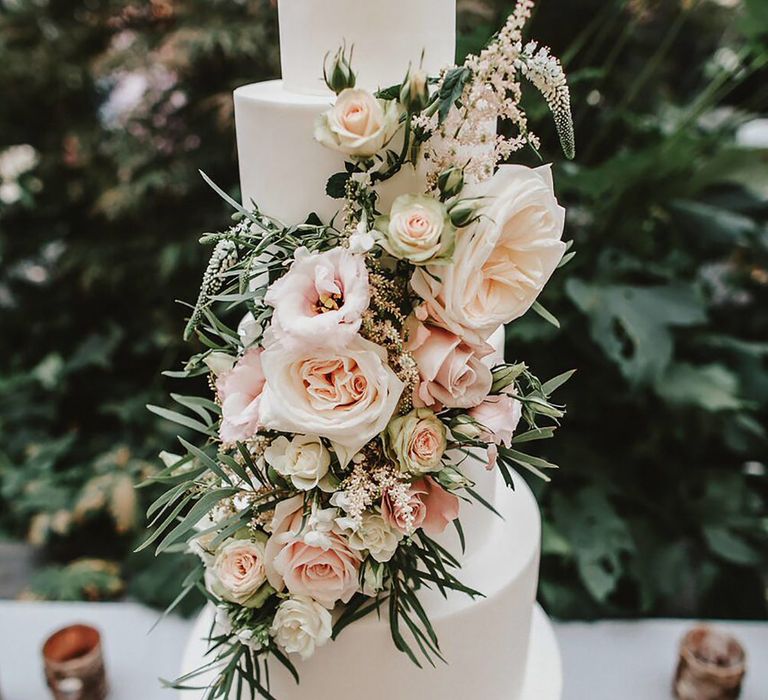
(602, 660)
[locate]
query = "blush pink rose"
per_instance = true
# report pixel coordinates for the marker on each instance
(319, 565)
(451, 370)
(320, 300)
(239, 391)
(498, 416)
(429, 506)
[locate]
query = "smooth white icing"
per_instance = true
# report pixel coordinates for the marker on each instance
(283, 170)
(484, 641)
(387, 36)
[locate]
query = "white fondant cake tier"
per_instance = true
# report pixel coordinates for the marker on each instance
(283, 170)
(485, 641)
(387, 37)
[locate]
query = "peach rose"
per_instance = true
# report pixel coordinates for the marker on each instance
(427, 505)
(452, 372)
(358, 124)
(306, 561)
(417, 441)
(503, 260)
(498, 416)
(240, 390)
(346, 395)
(321, 298)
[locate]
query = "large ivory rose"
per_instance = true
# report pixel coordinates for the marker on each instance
(303, 460)
(451, 371)
(320, 565)
(346, 395)
(425, 504)
(321, 299)
(358, 124)
(417, 229)
(503, 260)
(238, 572)
(300, 625)
(239, 391)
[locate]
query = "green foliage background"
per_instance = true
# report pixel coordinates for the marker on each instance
(660, 508)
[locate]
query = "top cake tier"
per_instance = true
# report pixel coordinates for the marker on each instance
(387, 36)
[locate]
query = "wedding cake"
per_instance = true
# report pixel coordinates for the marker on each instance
(501, 645)
(354, 500)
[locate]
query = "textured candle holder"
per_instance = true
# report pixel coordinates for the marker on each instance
(712, 665)
(74, 664)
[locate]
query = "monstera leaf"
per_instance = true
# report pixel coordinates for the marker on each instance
(633, 325)
(711, 387)
(598, 535)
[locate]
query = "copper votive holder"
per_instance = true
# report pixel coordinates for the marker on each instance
(74, 664)
(711, 666)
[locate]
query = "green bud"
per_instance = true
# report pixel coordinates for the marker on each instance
(338, 72)
(463, 213)
(505, 375)
(450, 182)
(464, 427)
(452, 479)
(414, 92)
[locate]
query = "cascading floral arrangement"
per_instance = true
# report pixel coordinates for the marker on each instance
(361, 381)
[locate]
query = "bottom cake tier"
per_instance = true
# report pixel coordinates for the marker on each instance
(498, 647)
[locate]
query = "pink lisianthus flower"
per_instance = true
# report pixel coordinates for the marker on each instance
(239, 391)
(498, 417)
(320, 300)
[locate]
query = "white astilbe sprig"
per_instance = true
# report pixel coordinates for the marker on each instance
(465, 136)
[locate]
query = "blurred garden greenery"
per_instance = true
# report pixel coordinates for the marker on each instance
(110, 107)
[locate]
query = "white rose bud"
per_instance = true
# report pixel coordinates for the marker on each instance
(238, 574)
(300, 625)
(450, 182)
(373, 578)
(418, 229)
(304, 461)
(414, 92)
(375, 536)
(338, 73)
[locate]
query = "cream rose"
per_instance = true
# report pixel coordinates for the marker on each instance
(320, 565)
(375, 536)
(303, 460)
(417, 441)
(358, 124)
(346, 395)
(239, 390)
(452, 371)
(238, 572)
(417, 229)
(300, 625)
(503, 260)
(321, 298)
(498, 417)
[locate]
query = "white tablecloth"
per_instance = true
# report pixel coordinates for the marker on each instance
(602, 661)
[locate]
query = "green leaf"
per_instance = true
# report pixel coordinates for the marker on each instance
(730, 546)
(180, 419)
(710, 387)
(633, 325)
(336, 187)
(597, 535)
(452, 89)
(546, 315)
